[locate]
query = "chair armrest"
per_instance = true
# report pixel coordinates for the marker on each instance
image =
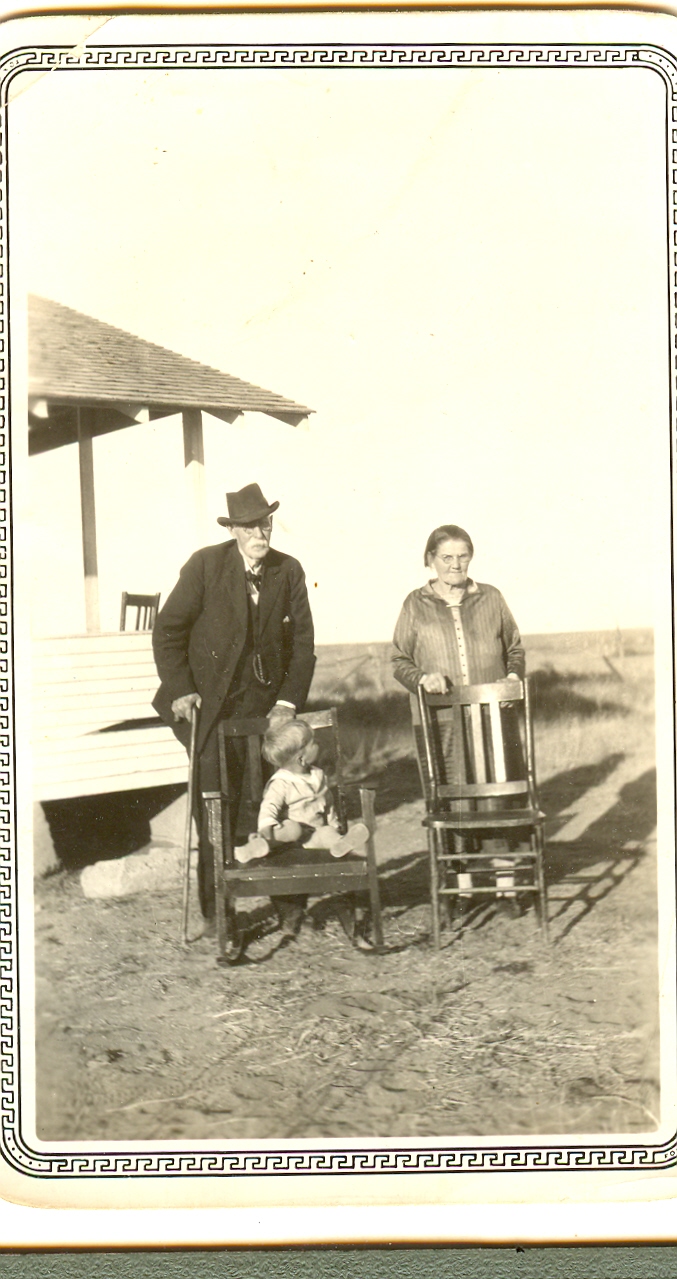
(367, 796)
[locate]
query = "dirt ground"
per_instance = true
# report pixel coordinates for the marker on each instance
(139, 1039)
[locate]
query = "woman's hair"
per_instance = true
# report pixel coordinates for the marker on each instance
(442, 534)
(280, 745)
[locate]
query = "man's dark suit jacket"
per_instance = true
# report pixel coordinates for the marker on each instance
(201, 631)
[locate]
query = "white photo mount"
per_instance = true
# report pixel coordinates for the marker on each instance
(61, 1174)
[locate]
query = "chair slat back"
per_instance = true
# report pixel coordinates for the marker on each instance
(505, 690)
(476, 744)
(330, 745)
(472, 715)
(146, 610)
(255, 770)
(321, 719)
(497, 748)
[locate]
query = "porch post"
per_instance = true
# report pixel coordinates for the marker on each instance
(194, 462)
(86, 419)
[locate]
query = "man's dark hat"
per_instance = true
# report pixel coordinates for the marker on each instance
(248, 506)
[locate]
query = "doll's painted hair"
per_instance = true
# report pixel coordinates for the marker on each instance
(281, 744)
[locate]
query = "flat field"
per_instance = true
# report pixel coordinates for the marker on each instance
(497, 1034)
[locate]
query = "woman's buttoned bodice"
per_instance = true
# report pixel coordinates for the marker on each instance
(473, 642)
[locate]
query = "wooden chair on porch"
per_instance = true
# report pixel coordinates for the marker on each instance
(293, 871)
(493, 737)
(146, 610)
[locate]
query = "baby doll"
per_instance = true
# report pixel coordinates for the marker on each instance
(297, 805)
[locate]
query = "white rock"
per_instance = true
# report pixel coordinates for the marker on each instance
(156, 868)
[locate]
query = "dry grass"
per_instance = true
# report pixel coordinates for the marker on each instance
(496, 1034)
(584, 712)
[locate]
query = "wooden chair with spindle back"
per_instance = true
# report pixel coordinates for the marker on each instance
(146, 610)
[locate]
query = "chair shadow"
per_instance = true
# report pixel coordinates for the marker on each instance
(607, 852)
(592, 866)
(564, 789)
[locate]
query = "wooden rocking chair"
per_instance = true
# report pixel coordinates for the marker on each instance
(284, 874)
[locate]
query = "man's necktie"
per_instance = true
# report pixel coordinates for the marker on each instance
(254, 579)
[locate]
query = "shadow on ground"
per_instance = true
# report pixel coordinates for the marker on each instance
(608, 850)
(96, 828)
(579, 874)
(568, 788)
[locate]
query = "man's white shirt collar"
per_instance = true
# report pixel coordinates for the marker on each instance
(256, 568)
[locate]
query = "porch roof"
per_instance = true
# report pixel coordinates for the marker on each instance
(76, 361)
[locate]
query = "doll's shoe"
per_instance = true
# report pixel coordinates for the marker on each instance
(255, 848)
(353, 842)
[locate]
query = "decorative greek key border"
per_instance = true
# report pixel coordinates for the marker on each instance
(408, 1158)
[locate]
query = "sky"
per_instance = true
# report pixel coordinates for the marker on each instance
(463, 273)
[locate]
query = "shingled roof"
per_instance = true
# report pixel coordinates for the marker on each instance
(79, 361)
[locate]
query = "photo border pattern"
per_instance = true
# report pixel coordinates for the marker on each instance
(408, 1157)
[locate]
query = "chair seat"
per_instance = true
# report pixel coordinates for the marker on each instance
(312, 876)
(479, 890)
(486, 860)
(503, 818)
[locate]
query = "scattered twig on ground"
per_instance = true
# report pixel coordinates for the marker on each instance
(230, 1012)
(149, 1101)
(611, 1096)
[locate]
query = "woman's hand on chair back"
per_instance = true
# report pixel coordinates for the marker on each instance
(436, 682)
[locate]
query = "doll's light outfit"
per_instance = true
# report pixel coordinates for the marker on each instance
(299, 797)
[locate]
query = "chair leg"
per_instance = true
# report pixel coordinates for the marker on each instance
(434, 887)
(456, 911)
(367, 803)
(230, 945)
(539, 842)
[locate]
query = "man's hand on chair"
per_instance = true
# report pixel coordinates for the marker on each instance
(183, 706)
(280, 714)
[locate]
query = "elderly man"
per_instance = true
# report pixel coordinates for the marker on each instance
(235, 638)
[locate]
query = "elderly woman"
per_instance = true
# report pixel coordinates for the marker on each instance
(456, 631)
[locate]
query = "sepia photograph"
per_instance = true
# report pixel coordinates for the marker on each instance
(341, 477)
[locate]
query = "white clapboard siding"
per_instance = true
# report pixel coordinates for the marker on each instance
(66, 717)
(76, 652)
(83, 684)
(103, 762)
(133, 675)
